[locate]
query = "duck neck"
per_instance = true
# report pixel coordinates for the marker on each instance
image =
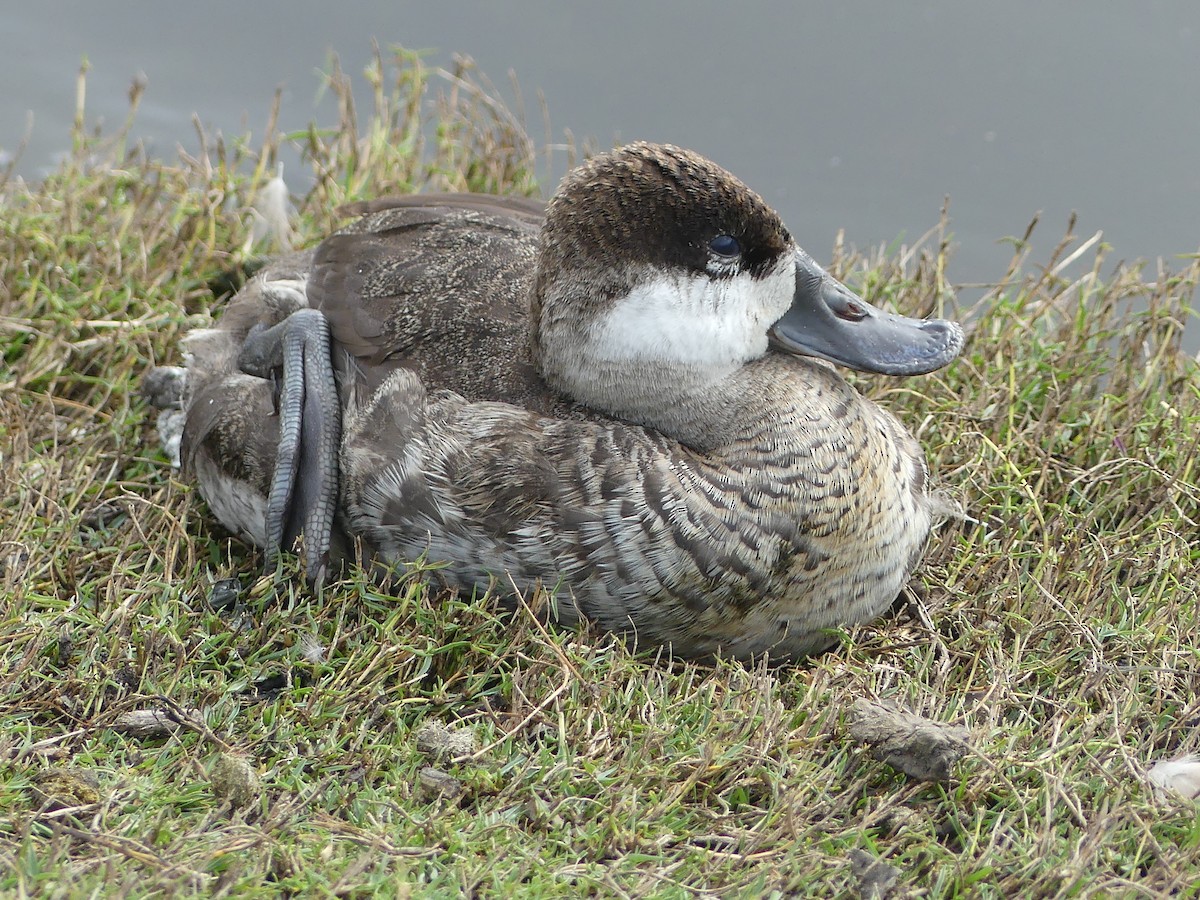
(709, 415)
(659, 349)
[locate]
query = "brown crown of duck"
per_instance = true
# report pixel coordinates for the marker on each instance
(767, 502)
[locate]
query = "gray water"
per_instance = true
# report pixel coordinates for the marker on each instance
(860, 116)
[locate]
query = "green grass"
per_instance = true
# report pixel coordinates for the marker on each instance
(1057, 624)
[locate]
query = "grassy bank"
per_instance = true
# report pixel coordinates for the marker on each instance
(163, 730)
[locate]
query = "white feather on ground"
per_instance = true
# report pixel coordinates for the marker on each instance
(1179, 775)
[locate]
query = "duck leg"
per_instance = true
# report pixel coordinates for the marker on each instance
(304, 486)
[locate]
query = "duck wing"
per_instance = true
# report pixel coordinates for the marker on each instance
(437, 284)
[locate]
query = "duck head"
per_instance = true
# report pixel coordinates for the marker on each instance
(660, 276)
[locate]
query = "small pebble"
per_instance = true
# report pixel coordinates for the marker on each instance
(234, 779)
(64, 788)
(875, 877)
(439, 740)
(434, 784)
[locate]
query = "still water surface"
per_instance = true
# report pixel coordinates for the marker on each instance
(855, 115)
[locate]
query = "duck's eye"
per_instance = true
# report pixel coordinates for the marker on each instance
(725, 245)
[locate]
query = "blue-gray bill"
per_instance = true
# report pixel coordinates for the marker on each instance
(829, 321)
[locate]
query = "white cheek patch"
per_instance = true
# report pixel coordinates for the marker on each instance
(696, 320)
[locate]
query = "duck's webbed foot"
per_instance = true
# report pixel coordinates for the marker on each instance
(304, 487)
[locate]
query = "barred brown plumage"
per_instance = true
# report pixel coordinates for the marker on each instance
(594, 407)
